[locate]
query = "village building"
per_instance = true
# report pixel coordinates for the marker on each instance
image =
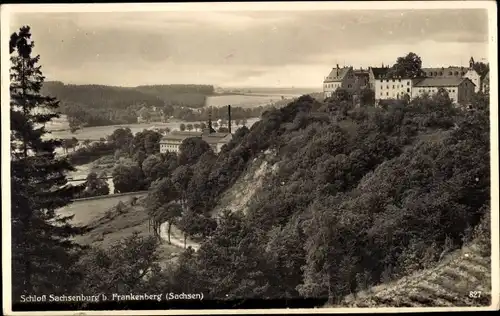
(339, 78)
(173, 140)
(460, 90)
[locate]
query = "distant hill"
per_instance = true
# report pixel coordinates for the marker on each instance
(96, 105)
(271, 90)
(101, 96)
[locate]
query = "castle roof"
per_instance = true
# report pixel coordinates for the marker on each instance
(379, 72)
(440, 82)
(337, 74)
(447, 72)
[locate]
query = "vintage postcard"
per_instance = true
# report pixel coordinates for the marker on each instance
(248, 158)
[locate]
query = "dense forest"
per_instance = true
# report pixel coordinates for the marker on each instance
(360, 195)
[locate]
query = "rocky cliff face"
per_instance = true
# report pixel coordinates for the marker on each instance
(243, 191)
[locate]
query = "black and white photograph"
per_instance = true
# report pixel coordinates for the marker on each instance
(250, 157)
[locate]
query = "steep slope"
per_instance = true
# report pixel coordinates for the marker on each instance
(238, 196)
(463, 278)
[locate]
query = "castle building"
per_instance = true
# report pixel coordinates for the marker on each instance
(460, 90)
(339, 78)
(172, 141)
(457, 72)
(361, 79)
(393, 88)
(374, 74)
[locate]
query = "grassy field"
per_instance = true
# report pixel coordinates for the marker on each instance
(109, 226)
(87, 211)
(96, 132)
(447, 285)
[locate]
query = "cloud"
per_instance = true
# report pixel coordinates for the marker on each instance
(212, 47)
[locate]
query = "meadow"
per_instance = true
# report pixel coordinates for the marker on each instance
(88, 210)
(110, 225)
(97, 132)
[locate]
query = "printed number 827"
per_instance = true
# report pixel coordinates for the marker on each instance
(475, 294)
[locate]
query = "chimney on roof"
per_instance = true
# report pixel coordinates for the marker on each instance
(229, 118)
(337, 66)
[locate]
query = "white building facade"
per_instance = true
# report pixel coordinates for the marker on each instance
(460, 90)
(394, 88)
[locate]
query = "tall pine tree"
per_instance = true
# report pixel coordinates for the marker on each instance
(42, 252)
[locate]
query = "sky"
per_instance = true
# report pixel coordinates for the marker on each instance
(245, 48)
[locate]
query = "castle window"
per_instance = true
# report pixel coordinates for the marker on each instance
(387, 93)
(456, 73)
(393, 86)
(440, 73)
(408, 90)
(450, 73)
(408, 83)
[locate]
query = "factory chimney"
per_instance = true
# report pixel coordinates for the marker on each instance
(229, 118)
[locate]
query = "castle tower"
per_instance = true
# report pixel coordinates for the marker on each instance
(471, 63)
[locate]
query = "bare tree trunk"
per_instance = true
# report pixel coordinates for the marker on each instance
(185, 238)
(169, 229)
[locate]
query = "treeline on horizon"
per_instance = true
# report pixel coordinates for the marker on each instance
(98, 105)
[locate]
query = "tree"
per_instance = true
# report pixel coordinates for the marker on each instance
(121, 137)
(189, 127)
(43, 253)
(342, 94)
(158, 203)
(181, 178)
(192, 149)
(367, 97)
(122, 268)
(203, 126)
(215, 124)
(96, 186)
(223, 130)
(196, 126)
(128, 178)
(481, 68)
(244, 122)
(182, 127)
(172, 214)
(409, 66)
(237, 122)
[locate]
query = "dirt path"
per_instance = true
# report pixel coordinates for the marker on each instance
(176, 237)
